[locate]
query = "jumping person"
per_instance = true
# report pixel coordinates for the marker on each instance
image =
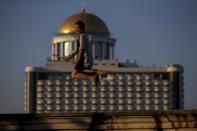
(84, 56)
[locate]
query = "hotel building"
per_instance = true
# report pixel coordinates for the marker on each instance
(128, 87)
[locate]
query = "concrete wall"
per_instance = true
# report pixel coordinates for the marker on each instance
(182, 120)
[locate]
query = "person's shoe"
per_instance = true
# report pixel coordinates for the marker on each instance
(87, 67)
(97, 81)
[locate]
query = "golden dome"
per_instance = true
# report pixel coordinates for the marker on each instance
(93, 24)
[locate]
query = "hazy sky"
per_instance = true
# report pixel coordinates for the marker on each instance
(156, 32)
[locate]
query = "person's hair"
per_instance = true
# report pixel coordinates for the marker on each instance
(80, 24)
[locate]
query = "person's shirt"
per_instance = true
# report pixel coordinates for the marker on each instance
(86, 46)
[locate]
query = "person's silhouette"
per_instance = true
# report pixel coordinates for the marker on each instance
(83, 51)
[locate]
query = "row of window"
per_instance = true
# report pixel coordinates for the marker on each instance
(103, 89)
(117, 76)
(102, 95)
(93, 108)
(158, 76)
(103, 82)
(102, 101)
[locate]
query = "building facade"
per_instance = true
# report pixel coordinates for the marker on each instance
(127, 88)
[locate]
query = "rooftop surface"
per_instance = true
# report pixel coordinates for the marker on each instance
(181, 120)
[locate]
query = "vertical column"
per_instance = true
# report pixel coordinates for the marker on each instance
(53, 52)
(181, 90)
(93, 49)
(30, 95)
(175, 78)
(112, 51)
(171, 98)
(57, 51)
(103, 50)
(27, 94)
(109, 51)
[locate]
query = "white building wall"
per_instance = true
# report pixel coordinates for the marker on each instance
(117, 92)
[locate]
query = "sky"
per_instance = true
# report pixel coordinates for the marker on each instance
(153, 32)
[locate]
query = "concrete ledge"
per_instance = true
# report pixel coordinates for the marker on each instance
(179, 120)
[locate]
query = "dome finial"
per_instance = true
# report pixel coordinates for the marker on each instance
(83, 4)
(83, 10)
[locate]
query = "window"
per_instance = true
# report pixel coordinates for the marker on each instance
(104, 50)
(156, 75)
(98, 50)
(43, 76)
(165, 76)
